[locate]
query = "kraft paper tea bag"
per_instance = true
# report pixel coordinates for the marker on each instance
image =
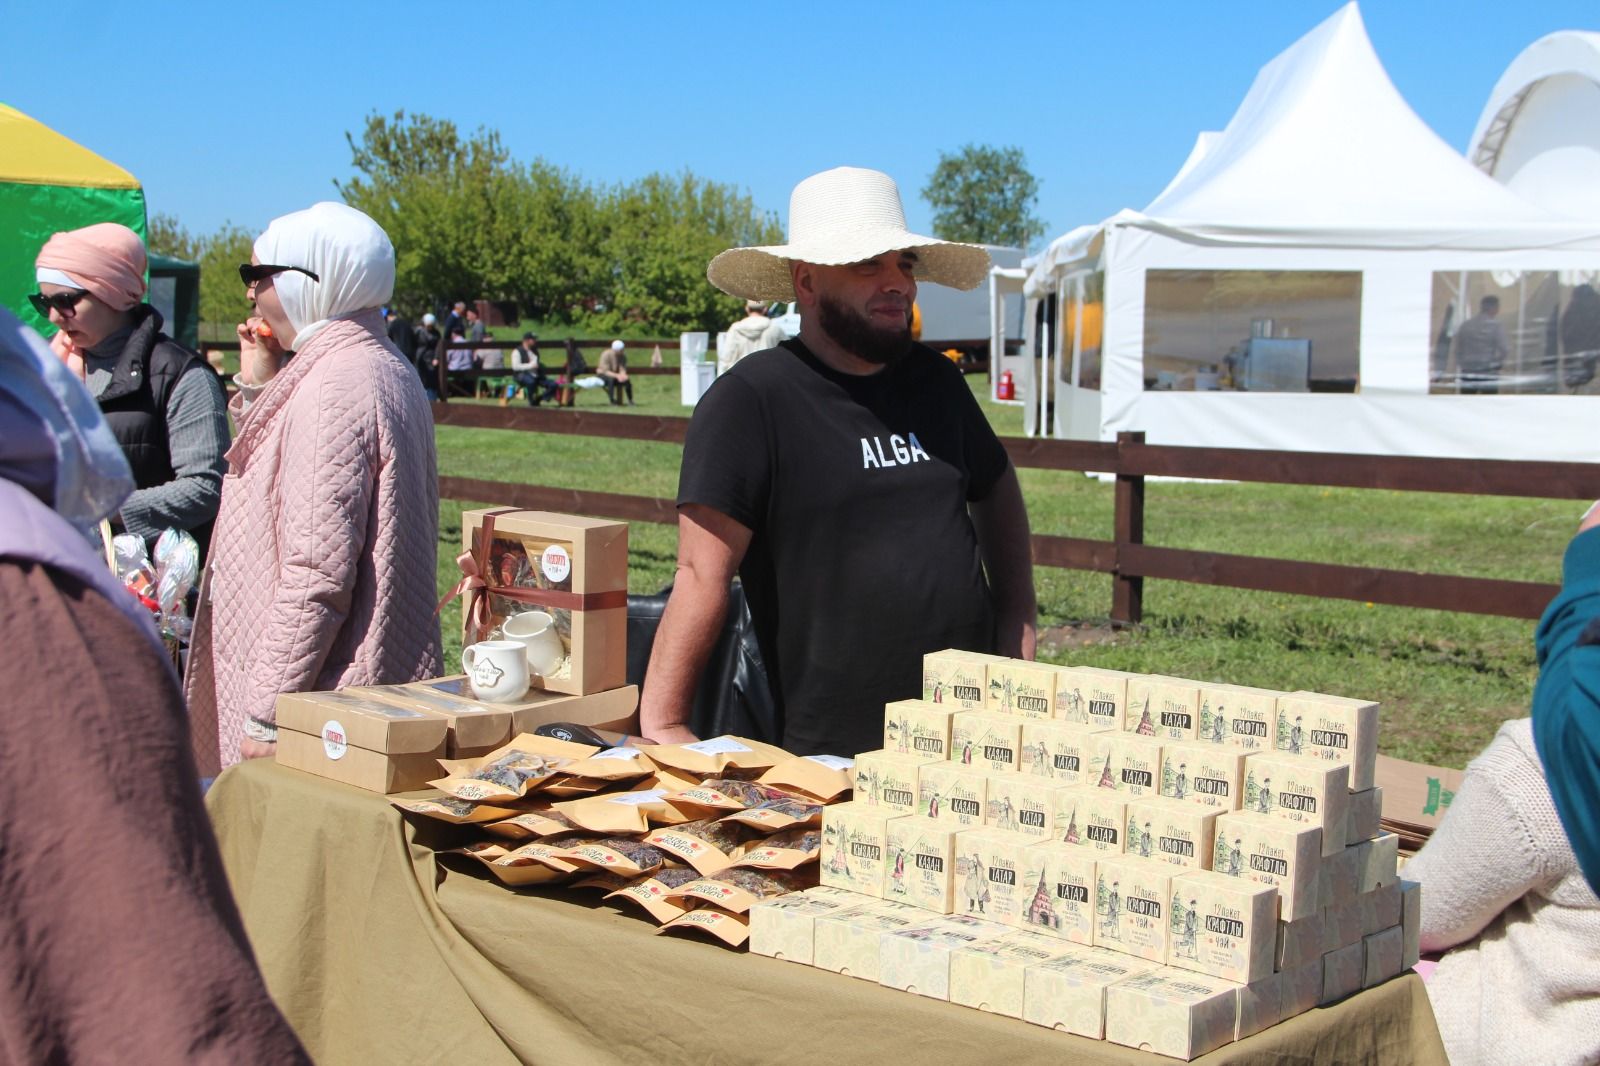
(706, 845)
(718, 795)
(1023, 688)
(632, 858)
(1270, 851)
(917, 728)
(1171, 831)
(1058, 751)
(1059, 892)
(957, 679)
(784, 927)
(735, 890)
(990, 742)
(531, 824)
(1086, 695)
(788, 849)
(917, 960)
(650, 892)
(1300, 789)
(1069, 993)
(725, 756)
(989, 975)
(1238, 717)
(455, 811)
(1364, 818)
(953, 793)
(620, 812)
(1020, 803)
(919, 865)
(1125, 763)
(1091, 818)
(1172, 1012)
(990, 875)
(820, 777)
(602, 881)
(847, 942)
(1223, 926)
(1131, 899)
(887, 779)
(1211, 775)
(1333, 729)
(613, 764)
(731, 929)
(775, 815)
(525, 765)
(1166, 708)
(855, 839)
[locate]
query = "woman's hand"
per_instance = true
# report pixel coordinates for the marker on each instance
(260, 354)
(255, 749)
(68, 353)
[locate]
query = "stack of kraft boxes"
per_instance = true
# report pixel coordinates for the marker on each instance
(390, 738)
(1163, 863)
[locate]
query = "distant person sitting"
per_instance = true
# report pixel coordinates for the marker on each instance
(458, 358)
(1481, 349)
(490, 358)
(614, 372)
(528, 371)
(753, 333)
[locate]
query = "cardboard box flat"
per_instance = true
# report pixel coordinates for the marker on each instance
(1069, 993)
(986, 741)
(1381, 908)
(1224, 927)
(597, 561)
(1057, 750)
(1341, 927)
(1301, 789)
(1211, 775)
(1331, 728)
(920, 863)
(1125, 763)
(917, 959)
(917, 727)
(1363, 821)
(361, 767)
(957, 679)
(1022, 803)
(1059, 900)
(1383, 955)
(1341, 876)
(1410, 922)
(614, 710)
(1300, 944)
(1283, 854)
(785, 927)
(1260, 1006)
(953, 793)
(1341, 973)
(847, 942)
(475, 728)
(373, 724)
(1238, 716)
(1380, 861)
(1302, 988)
(991, 875)
(855, 844)
(1415, 794)
(1091, 817)
(1171, 831)
(1022, 688)
(1087, 695)
(1131, 901)
(1172, 1012)
(990, 976)
(887, 779)
(1167, 708)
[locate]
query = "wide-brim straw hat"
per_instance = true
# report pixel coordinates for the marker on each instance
(844, 215)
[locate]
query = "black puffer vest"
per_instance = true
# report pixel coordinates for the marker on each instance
(135, 402)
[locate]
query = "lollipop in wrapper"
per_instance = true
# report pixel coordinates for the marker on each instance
(177, 558)
(132, 561)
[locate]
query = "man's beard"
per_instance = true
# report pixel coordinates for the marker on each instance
(856, 334)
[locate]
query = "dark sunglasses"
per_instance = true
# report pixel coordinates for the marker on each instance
(250, 273)
(65, 302)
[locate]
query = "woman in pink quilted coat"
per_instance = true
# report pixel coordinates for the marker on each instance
(323, 559)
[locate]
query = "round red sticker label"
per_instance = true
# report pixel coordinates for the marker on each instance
(556, 563)
(334, 744)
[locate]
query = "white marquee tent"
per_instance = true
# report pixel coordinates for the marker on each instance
(1303, 282)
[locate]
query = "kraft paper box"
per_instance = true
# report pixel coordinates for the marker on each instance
(920, 863)
(1364, 817)
(1411, 922)
(1238, 717)
(1380, 908)
(957, 679)
(1224, 927)
(1091, 818)
(1171, 831)
(1260, 1006)
(1167, 708)
(785, 927)
(1087, 695)
(1380, 861)
(917, 727)
(1172, 1012)
(917, 959)
(369, 743)
(1059, 897)
(953, 793)
(1125, 763)
(855, 842)
(888, 780)
(614, 710)
(1414, 793)
(1331, 728)
(1270, 851)
(1069, 993)
(1057, 750)
(847, 941)
(1384, 954)
(475, 728)
(1300, 789)
(1302, 988)
(1022, 688)
(571, 567)
(1131, 899)
(1341, 878)
(1021, 803)
(1300, 944)
(986, 741)
(990, 975)
(1341, 973)
(991, 875)
(1211, 775)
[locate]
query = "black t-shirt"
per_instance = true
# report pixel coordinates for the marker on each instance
(863, 556)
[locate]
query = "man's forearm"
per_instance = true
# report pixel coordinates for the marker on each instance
(689, 629)
(1005, 542)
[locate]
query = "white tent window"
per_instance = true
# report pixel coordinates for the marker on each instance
(1516, 332)
(1252, 330)
(1082, 322)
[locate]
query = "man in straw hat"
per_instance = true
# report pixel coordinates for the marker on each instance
(851, 480)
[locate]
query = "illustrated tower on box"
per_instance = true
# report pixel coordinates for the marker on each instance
(1040, 911)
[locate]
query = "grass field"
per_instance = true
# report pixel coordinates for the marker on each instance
(1446, 680)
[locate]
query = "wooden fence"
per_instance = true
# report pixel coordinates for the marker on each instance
(1126, 557)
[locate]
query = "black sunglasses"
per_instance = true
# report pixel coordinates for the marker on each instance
(65, 302)
(250, 273)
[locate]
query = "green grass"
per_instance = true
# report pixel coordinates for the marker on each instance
(1446, 680)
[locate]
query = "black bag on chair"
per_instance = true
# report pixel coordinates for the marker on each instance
(734, 694)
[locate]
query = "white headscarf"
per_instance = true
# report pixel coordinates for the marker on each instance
(348, 251)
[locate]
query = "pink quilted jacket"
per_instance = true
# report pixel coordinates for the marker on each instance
(323, 559)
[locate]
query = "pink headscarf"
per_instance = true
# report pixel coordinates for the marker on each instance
(108, 259)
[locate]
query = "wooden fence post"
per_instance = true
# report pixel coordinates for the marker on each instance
(1127, 590)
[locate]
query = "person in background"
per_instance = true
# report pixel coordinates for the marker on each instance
(1481, 349)
(323, 564)
(146, 960)
(163, 402)
(474, 325)
(574, 367)
(528, 371)
(753, 333)
(427, 358)
(490, 358)
(402, 334)
(458, 358)
(613, 371)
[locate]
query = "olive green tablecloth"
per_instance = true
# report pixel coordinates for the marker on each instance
(377, 954)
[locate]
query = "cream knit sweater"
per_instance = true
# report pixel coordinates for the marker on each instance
(1501, 890)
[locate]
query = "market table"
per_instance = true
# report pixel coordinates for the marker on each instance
(378, 953)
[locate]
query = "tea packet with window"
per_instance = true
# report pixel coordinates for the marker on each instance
(724, 756)
(454, 811)
(619, 854)
(530, 825)
(602, 770)
(602, 880)
(707, 845)
(620, 812)
(650, 892)
(717, 795)
(525, 765)
(732, 929)
(516, 868)
(787, 849)
(778, 814)
(825, 777)
(735, 890)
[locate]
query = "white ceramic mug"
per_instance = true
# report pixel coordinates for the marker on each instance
(536, 630)
(497, 670)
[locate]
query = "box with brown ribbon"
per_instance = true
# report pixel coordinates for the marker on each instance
(561, 581)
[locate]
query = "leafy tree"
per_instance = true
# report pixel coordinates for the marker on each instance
(984, 195)
(222, 295)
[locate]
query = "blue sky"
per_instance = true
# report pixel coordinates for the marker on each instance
(239, 112)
